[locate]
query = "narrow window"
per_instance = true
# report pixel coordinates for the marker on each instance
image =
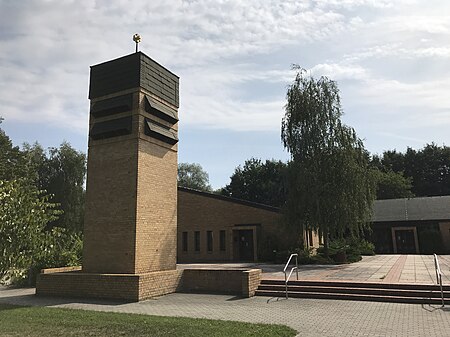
(222, 241)
(209, 241)
(197, 241)
(185, 241)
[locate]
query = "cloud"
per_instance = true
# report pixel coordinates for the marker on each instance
(233, 57)
(339, 72)
(46, 47)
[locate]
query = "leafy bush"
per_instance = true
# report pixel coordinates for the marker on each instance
(65, 250)
(26, 244)
(305, 256)
(366, 248)
(24, 214)
(347, 250)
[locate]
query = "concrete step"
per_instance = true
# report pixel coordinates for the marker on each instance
(360, 291)
(354, 297)
(376, 285)
(356, 290)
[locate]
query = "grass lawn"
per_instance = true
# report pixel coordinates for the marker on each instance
(39, 321)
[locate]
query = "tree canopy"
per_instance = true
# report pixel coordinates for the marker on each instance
(258, 181)
(428, 169)
(193, 176)
(41, 207)
(12, 163)
(61, 172)
(331, 188)
(393, 185)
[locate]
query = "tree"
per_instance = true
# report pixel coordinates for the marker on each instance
(392, 185)
(331, 188)
(31, 233)
(62, 175)
(257, 181)
(427, 168)
(12, 163)
(193, 176)
(24, 214)
(59, 171)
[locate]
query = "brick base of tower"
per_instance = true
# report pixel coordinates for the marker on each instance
(124, 287)
(67, 282)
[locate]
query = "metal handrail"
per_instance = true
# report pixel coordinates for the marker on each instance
(286, 278)
(438, 271)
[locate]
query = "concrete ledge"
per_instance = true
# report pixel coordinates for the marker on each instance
(60, 270)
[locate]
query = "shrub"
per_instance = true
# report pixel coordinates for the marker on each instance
(24, 215)
(65, 250)
(366, 248)
(347, 250)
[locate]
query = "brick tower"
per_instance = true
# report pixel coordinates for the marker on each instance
(131, 193)
(131, 208)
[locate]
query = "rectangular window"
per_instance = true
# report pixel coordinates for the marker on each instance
(209, 241)
(185, 241)
(197, 241)
(222, 241)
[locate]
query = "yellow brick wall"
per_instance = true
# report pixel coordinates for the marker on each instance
(202, 213)
(131, 200)
(78, 284)
(159, 283)
(250, 282)
(138, 287)
(156, 223)
(110, 214)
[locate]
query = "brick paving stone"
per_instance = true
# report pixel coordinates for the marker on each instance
(379, 268)
(310, 317)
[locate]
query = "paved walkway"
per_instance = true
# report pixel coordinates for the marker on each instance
(378, 268)
(310, 317)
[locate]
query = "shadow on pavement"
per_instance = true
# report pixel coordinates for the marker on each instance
(34, 300)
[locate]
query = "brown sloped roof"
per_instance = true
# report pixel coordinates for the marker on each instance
(412, 209)
(230, 199)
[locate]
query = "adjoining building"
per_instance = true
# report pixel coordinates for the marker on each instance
(213, 227)
(216, 228)
(412, 226)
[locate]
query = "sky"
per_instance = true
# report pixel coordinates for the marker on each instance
(391, 60)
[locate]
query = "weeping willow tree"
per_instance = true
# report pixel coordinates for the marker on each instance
(331, 188)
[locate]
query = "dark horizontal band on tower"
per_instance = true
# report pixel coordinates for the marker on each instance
(160, 110)
(112, 106)
(112, 128)
(160, 132)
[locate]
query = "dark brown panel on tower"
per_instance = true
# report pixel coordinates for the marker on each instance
(115, 76)
(133, 71)
(160, 132)
(112, 128)
(112, 106)
(160, 110)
